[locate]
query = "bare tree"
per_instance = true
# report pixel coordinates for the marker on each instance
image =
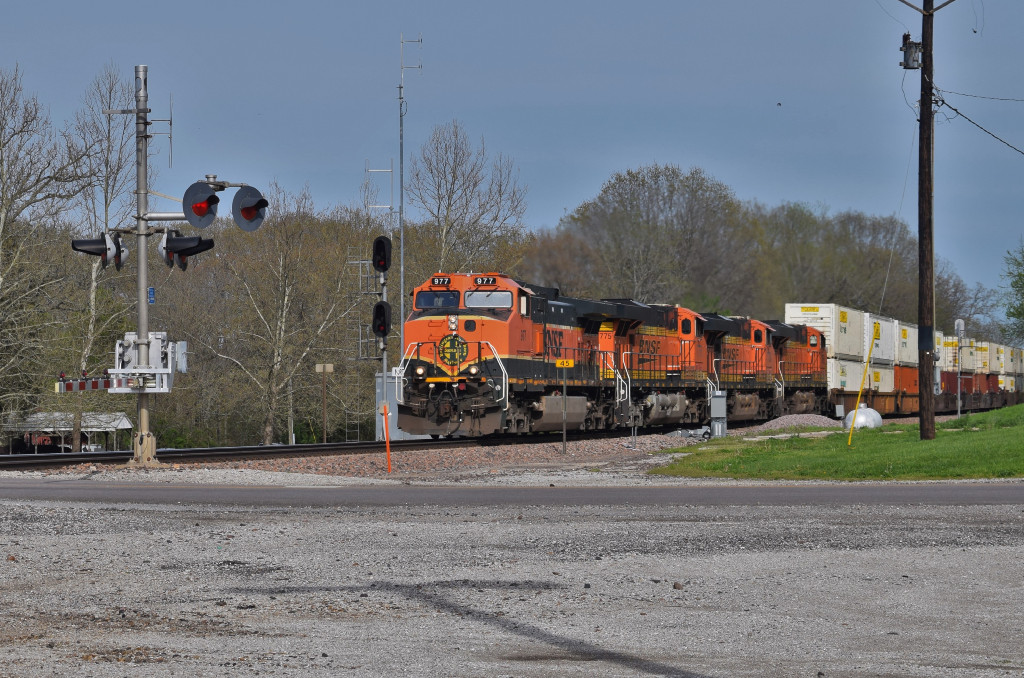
(474, 204)
(104, 204)
(41, 169)
(657, 234)
(264, 306)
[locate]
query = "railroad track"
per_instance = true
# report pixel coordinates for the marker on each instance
(27, 461)
(279, 451)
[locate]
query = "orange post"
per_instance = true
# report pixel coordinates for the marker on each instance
(387, 436)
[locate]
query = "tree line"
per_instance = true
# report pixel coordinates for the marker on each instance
(261, 309)
(659, 234)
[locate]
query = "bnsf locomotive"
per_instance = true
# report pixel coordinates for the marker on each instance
(488, 354)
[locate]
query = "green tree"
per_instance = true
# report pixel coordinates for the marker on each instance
(1013, 277)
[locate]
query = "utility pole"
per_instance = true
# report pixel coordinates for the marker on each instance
(401, 188)
(925, 239)
(925, 221)
(145, 444)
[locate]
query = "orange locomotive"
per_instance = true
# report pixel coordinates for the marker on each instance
(488, 354)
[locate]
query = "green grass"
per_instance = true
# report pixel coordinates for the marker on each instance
(987, 445)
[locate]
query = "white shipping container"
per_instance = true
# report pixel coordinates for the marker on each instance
(847, 375)
(1008, 382)
(981, 357)
(968, 359)
(998, 359)
(843, 327)
(884, 350)
(951, 357)
(906, 344)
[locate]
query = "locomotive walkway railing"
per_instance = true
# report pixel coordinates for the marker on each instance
(415, 351)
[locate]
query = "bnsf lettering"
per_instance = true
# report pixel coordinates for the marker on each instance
(648, 346)
(553, 339)
(731, 353)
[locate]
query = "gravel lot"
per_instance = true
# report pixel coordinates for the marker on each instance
(111, 589)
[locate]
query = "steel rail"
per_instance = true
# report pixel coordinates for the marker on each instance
(58, 459)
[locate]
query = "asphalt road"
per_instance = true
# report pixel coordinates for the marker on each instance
(810, 494)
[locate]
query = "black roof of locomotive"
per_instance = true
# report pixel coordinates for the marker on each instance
(604, 309)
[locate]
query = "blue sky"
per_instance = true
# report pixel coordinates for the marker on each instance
(795, 100)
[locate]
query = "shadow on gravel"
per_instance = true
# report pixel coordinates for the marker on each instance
(570, 649)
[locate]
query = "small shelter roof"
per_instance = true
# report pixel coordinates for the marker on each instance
(56, 422)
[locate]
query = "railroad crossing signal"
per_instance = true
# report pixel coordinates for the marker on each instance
(108, 248)
(249, 208)
(175, 248)
(200, 204)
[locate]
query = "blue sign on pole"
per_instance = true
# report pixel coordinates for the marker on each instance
(152, 295)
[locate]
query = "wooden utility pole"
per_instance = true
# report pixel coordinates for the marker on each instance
(925, 227)
(925, 240)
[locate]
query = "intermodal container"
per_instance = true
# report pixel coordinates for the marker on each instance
(906, 344)
(843, 327)
(883, 352)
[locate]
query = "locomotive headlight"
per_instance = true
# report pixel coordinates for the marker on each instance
(474, 370)
(420, 370)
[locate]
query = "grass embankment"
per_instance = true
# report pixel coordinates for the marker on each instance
(986, 445)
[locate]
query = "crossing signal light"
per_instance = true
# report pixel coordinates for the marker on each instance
(249, 208)
(200, 204)
(108, 248)
(381, 319)
(381, 253)
(176, 249)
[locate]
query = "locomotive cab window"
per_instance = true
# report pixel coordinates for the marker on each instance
(488, 299)
(687, 326)
(758, 337)
(437, 299)
(813, 340)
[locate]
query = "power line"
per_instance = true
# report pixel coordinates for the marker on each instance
(943, 102)
(978, 96)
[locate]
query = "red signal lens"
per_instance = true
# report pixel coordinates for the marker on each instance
(252, 211)
(201, 208)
